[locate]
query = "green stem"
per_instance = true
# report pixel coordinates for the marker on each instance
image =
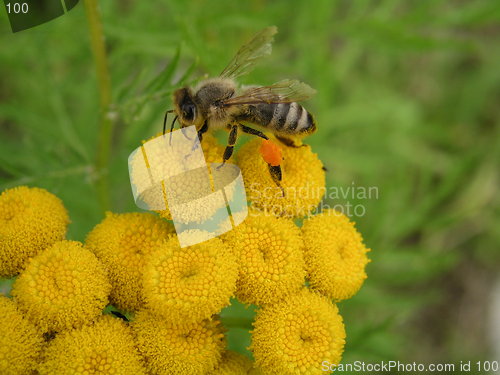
(105, 131)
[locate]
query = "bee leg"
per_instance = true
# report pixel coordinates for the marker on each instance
(233, 135)
(248, 130)
(289, 142)
(202, 131)
(165, 121)
(276, 175)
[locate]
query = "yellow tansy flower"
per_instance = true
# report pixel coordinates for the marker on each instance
(297, 335)
(233, 363)
(187, 189)
(178, 350)
(20, 341)
(335, 255)
(121, 242)
(191, 198)
(190, 284)
(270, 256)
(105, 347)
(31, 219)
(63, 287)
(303, 180)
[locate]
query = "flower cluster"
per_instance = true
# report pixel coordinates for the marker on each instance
(191, 284)
(63, 287)
(121, 242)
(296, 334)
(270, 256)
(30, 220)
(296, 274)
(172, 348)
(335, 255)
(167, 302)
(188, 188)
(20, 340)
(105, 347)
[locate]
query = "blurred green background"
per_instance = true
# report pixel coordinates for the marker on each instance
(408, 101)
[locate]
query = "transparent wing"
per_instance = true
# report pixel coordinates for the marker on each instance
(249, 54)
(285, 91)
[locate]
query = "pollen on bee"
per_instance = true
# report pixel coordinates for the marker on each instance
(271, 152)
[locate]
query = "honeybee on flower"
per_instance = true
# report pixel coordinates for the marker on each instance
(219, 103)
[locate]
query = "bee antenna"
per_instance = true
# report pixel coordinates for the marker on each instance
(165, 120)
(171, 129)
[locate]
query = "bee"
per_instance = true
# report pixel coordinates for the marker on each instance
(219, 103)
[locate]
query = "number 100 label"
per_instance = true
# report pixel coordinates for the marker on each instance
(25, 14)
(17, 8)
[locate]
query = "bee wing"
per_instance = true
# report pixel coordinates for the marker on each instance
(248, 55)
(285, 91)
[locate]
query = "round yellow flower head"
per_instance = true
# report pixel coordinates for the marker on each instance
(121, 242)
(31, 219)
(297, 335)
(105, 347)
(185, 192)
(63, 287)
(271, 263)
(186, 285)
(335, 255)
(178, 350)
(233, 363)
(303, 180)
(20, 341)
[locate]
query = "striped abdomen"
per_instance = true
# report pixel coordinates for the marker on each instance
(284, 118)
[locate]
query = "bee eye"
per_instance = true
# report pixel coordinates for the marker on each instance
(188, 112)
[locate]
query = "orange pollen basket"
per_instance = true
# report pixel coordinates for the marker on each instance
(271, 152)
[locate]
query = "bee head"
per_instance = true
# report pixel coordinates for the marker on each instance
(185, 107)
